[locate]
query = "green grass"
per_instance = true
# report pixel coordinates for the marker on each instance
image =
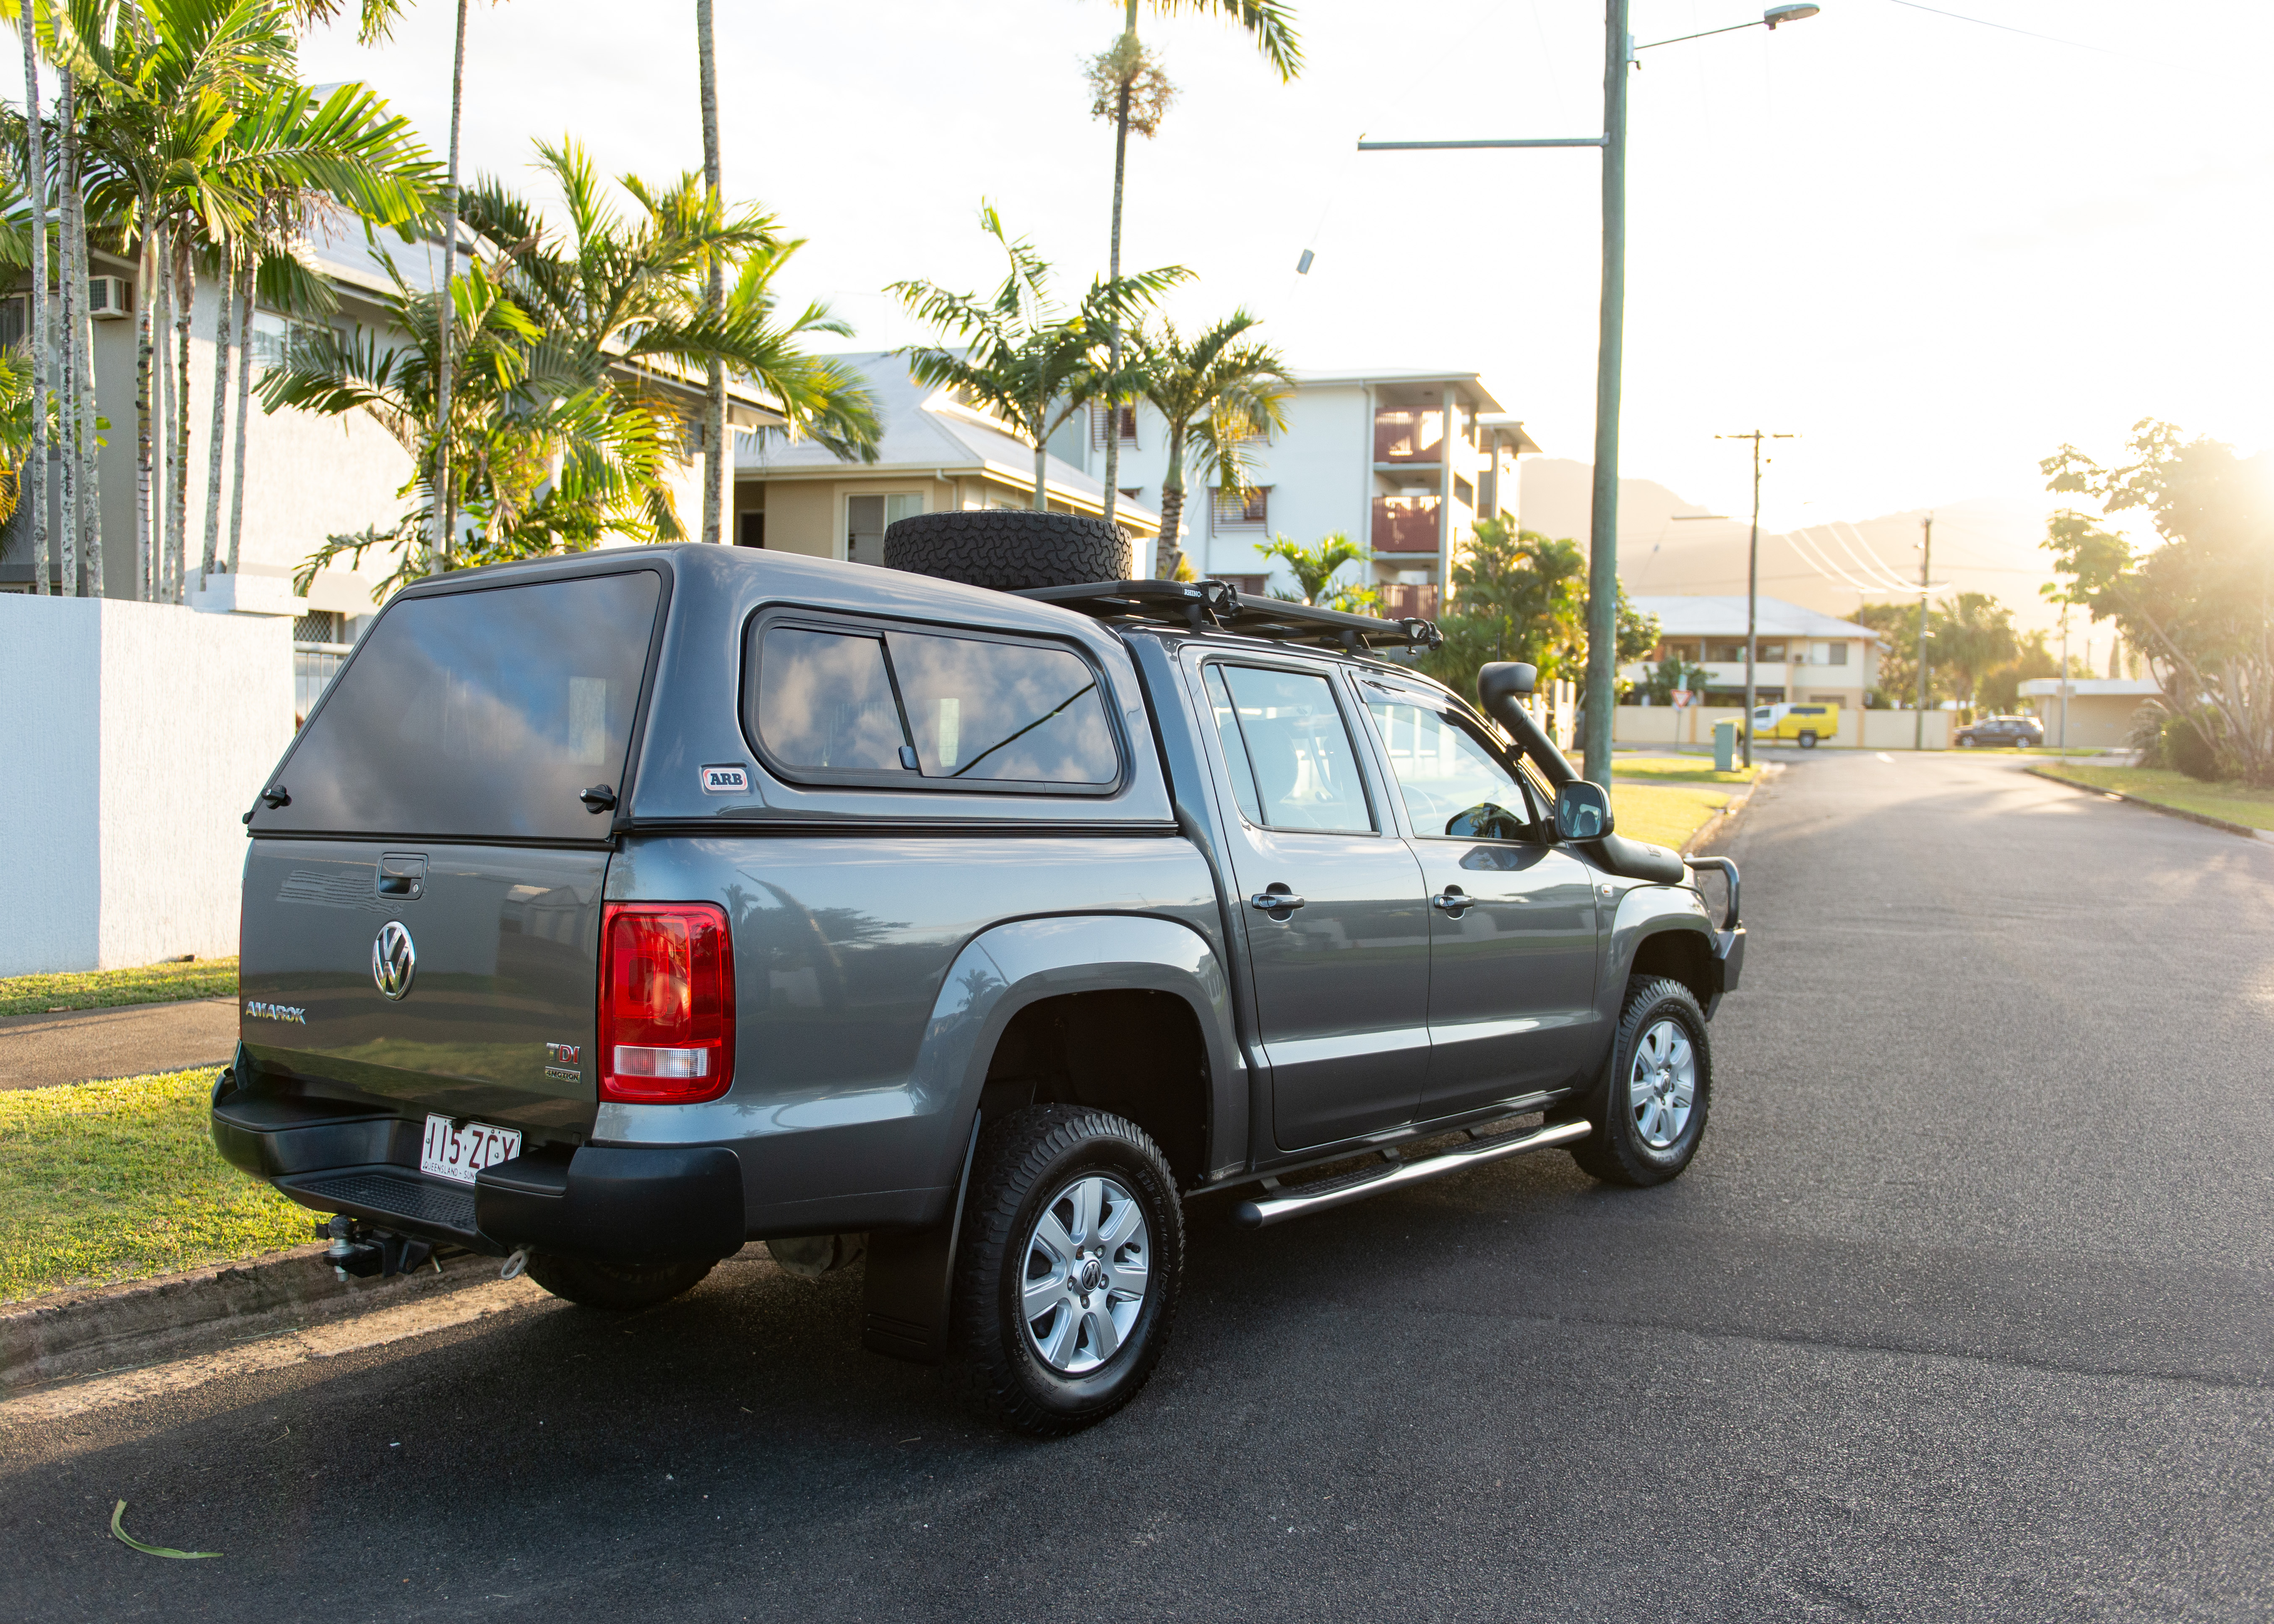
(2233, 802)
(1664, 814)
(102, 989)
(1676, 769)
(104, 1182)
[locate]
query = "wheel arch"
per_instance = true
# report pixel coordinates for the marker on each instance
(1131, 1014)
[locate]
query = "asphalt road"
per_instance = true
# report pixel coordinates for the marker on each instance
(38, 1052)
(1962, 1313)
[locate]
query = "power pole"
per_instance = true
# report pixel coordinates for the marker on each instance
(1603, 516)
(1927, 556)
(2064, 678)
(1753, 583)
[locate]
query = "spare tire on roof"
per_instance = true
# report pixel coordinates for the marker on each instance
(1008, 548)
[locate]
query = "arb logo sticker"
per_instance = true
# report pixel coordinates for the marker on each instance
(735, 781)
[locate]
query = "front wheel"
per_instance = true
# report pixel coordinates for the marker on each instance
(1065, 1286)
(1651, 1111)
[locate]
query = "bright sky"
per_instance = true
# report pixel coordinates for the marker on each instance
(1935, 249)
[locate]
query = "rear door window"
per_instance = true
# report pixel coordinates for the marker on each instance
(482, 714)
(906, 708)
(1294, 747)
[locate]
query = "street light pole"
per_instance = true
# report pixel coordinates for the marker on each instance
(1603, 522)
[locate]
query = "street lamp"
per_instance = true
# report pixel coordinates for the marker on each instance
(1603, 520)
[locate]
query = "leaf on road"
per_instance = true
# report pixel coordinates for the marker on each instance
(127, 1538)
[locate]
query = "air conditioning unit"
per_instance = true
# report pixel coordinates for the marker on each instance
(107, 298)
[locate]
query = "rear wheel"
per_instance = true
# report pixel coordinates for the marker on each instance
(616, 1286)
(1808, 741)
(1066, 1283)
(1651, 1110)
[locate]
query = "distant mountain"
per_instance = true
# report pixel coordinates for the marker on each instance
(1985, 545)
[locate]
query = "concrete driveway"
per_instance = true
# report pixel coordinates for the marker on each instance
(37, 1051)
(1963, 1312)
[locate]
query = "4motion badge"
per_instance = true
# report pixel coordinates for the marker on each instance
(394, 960)
(563, 1058)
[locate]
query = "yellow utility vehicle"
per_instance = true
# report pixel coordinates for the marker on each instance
(1808, 723)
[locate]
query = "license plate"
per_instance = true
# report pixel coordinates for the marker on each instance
(458, 1154)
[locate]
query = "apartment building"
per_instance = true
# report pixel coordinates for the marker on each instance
(1402, 463)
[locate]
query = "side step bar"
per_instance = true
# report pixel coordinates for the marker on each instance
(1277, 1208)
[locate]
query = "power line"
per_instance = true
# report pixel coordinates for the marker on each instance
(2051, 39)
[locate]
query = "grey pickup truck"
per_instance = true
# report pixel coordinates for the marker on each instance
(611, 912)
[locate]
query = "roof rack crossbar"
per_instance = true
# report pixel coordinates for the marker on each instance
(1220, 604)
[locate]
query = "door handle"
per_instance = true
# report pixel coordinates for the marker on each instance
(1275, 901)
(1453, 900)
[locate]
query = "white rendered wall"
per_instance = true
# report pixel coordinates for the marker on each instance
(138, 734)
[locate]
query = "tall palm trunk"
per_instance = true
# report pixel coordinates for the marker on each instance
(177, 413)
(224, 299)
(1172, 504)
(90, 484)
(145, 544)
(445, 519)
(244, 291)
(1113, 271)
(716, 449)
(161, 458)
(35, 190)
(67, 393)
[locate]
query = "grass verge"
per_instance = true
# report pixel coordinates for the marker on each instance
(2233, 803)
(102, 989)
(1664, 814)
(1676, 769)
(112, 1181)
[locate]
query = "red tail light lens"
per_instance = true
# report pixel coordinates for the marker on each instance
(666, 1002)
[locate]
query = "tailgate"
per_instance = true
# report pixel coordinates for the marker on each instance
(492, 952)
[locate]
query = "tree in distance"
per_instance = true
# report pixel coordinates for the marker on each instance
(1218, 393)
(1022, 354)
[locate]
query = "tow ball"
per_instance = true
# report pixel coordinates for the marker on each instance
(360, 1251)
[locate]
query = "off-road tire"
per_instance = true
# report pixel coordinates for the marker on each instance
(618, 1287)
(1024, 1161)
(1617, 1153)
(1009, 548)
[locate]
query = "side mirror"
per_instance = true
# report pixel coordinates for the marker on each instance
(1583, 811)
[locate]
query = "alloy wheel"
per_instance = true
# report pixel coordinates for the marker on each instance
(1663, 1083)
(1086, 1274)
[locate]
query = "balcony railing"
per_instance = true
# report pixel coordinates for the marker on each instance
(1405, 523)
(1410, 602)
(1408, 436)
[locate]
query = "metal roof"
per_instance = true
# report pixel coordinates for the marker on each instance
(1681, 615)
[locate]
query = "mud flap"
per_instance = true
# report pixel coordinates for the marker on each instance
(911, 1278)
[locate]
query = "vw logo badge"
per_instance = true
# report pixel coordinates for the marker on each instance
(394, 960)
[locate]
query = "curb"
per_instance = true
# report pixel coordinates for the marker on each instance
(81, 1334)
(2204, 818)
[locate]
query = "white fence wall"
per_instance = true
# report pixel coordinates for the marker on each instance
(136, 735)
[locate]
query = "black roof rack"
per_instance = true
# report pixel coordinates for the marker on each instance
(1219, 604)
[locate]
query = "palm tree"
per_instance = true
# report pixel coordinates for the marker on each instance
(1217, 393)
(717, 449)
(541, 460)
(1314, 569)
(1129, 82)
(1027, 358)
(617, 296)
(35, 193)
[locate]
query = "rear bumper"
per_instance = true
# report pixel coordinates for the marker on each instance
(625, 1203)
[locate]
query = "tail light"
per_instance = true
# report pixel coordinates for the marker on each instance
(666, 1002)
